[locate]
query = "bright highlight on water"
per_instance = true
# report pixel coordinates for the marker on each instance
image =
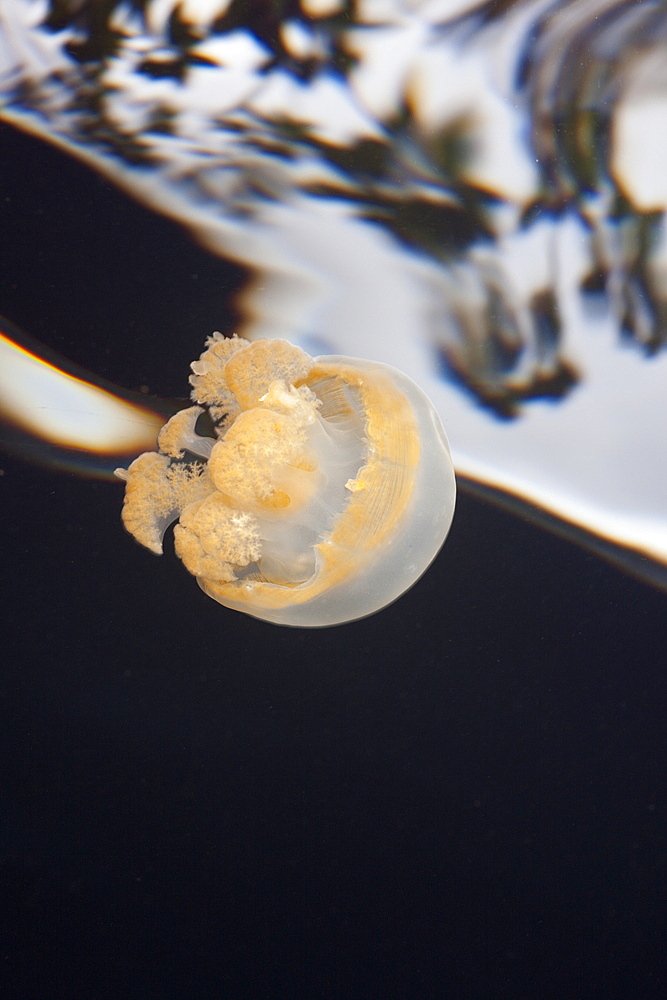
(68, 411)
(470, 192)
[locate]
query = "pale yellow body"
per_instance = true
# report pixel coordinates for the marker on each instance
(326, 494)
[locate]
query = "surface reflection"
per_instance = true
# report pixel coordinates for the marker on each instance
(460, 190)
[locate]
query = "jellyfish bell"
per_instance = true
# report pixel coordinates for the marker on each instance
(326, 492)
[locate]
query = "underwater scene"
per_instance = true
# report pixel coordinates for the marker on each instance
(356, 312)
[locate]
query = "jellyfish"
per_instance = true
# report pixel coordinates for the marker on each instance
(321, 493)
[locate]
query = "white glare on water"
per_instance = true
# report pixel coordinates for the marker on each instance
(438, 186)
(61, 409)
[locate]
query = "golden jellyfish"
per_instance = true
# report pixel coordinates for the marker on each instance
(324, 493)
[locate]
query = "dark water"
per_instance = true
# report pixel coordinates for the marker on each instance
(462, 796)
